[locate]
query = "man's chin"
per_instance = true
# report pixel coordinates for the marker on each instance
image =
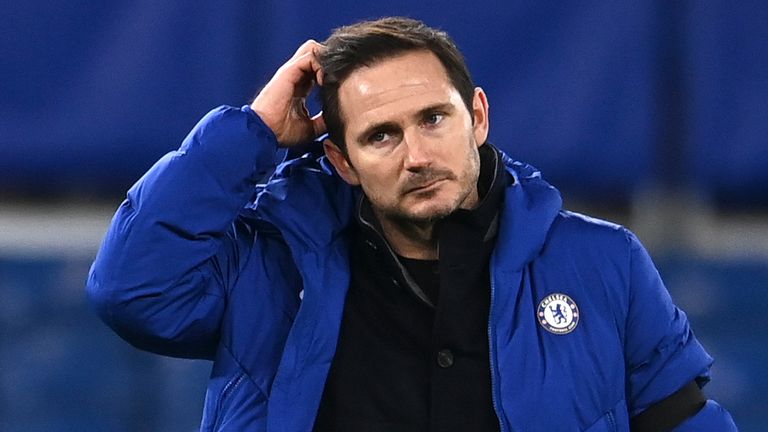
(426, 215)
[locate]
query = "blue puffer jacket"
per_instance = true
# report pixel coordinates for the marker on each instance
(201, 261)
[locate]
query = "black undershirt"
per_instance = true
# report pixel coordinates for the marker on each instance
(413, 350)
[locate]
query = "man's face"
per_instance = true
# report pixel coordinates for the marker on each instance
(411, 143)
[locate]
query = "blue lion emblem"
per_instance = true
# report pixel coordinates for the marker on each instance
(558, 313)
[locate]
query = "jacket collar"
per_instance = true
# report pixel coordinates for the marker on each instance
(312, 207)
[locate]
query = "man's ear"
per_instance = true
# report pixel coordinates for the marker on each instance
(480, 116)
(340, 162)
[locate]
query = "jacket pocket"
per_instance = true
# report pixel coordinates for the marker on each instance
(614, 420)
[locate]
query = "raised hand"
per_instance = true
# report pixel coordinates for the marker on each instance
(281, 104)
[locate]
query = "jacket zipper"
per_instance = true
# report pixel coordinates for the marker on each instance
(229, 388)
(491, 351)
(611, 420)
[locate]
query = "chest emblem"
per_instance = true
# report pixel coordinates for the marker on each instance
(558, 314)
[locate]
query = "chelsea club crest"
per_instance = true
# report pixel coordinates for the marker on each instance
(558, 314)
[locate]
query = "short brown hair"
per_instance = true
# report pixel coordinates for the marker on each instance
(367, 42)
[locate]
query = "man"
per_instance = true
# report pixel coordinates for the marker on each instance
(439, 286)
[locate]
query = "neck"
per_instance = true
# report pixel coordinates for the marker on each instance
(416, 240)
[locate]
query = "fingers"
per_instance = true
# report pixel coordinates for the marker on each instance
(281, 103)
(303, 70)
(308, 46)
(308, 64)
(306, 60)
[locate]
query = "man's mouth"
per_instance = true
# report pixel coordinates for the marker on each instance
(423, 187)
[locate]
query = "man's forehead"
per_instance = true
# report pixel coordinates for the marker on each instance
(408, 67)
(404, 81)
(368, 88)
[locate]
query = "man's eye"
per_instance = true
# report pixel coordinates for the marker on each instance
(378, 137)
(434, 118)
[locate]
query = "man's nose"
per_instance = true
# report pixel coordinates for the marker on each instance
(418, 153)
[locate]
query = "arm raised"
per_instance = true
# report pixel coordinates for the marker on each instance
(161, 277)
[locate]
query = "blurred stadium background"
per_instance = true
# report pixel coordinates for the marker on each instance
(653, 114)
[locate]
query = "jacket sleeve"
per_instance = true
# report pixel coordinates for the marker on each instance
(662, 353)
(161, 277)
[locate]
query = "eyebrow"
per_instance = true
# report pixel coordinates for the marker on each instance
(388, 126)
